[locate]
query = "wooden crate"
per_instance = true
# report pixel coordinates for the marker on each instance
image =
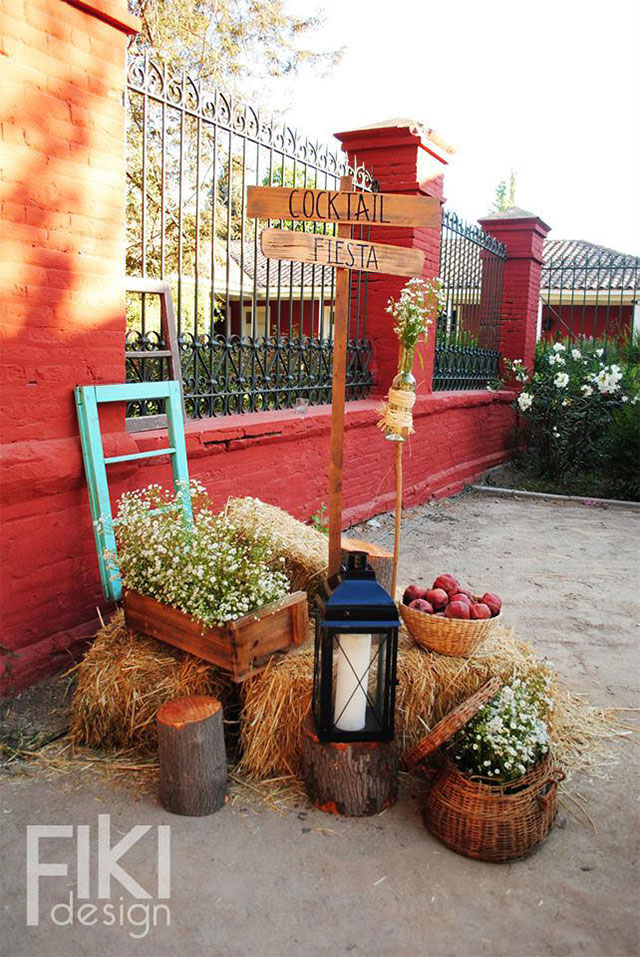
(241, 647)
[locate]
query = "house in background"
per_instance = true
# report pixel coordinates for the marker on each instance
(588, 291)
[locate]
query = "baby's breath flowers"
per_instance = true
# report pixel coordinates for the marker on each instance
(415, 309)
(509, 735)
(206, 568)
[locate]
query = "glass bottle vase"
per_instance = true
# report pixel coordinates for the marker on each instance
(403, 381)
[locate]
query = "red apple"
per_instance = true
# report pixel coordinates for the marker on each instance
(448, 582)
(457, 609)
(413, 592)
(480, 610)
(438, 597)
(494, 603)
(461, 596)
(421, 605)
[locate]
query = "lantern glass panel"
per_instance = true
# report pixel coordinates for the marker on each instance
(358, 682)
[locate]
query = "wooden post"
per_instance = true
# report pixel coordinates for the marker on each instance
(398, 517)
(380, 560)
(192, 755)
(338, 387)
(355, 779)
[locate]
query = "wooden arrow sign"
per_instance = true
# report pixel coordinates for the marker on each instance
(341, 252)
(340, 206)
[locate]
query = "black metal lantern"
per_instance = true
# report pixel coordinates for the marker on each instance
(354, 679)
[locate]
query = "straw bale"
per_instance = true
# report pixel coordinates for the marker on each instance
(276, 702)
(122, 681)
(304, 549)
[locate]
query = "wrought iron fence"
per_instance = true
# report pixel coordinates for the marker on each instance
(589, 292)
(468, 326)
(253, 333)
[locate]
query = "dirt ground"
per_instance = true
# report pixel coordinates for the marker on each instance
(250, 881)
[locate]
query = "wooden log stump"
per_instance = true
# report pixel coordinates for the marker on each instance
(192, 755)
(355, 779)
(380, 560)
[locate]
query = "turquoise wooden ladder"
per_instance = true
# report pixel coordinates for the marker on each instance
(88, 397)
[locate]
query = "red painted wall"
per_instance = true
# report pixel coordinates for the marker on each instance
(61, 309)
(589, 322)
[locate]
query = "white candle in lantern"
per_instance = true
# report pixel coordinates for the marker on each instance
(354, 655)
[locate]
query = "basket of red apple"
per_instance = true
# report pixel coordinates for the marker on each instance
(447, 618)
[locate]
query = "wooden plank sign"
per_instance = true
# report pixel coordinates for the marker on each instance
(341, 252)
(341, 206)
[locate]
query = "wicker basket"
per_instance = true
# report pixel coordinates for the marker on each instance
(448, 636)
(489, 821)
(452, 722)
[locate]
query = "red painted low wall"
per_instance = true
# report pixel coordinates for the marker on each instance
(50, 574)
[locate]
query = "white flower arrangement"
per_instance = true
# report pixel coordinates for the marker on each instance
(415, 309)
(205, 569)
(510, 734)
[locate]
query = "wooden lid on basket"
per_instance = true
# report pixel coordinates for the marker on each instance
(452, 722)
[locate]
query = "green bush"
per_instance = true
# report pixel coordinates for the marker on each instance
(580, 416)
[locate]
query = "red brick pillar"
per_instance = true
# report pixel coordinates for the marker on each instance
(406, 158)
(62, 308)
(523, 235)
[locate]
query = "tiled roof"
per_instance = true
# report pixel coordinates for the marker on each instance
(578, 264)
(288, 273)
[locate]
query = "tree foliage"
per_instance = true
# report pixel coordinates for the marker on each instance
(229, 42)
(505, 194)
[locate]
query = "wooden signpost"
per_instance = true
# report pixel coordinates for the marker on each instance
(341, 253)
(346, 208)
(342, 206)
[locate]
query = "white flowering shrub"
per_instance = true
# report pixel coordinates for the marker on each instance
(206, 568)
(573, 404)
(510, 734)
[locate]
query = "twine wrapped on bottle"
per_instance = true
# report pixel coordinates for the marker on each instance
(396, 413)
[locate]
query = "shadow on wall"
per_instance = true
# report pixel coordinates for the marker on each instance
(62, 312)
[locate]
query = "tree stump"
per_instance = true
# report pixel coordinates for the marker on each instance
(380, 560)
(192, 755)
(355, 779)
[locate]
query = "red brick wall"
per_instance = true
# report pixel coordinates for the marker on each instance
(401, 163)
(61, 308)
(62, 324)
(523, 235)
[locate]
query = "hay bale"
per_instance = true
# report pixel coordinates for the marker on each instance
(276, 702)
(304, 549)
(122, 681)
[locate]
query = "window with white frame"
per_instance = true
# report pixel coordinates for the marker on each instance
(261, 321)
